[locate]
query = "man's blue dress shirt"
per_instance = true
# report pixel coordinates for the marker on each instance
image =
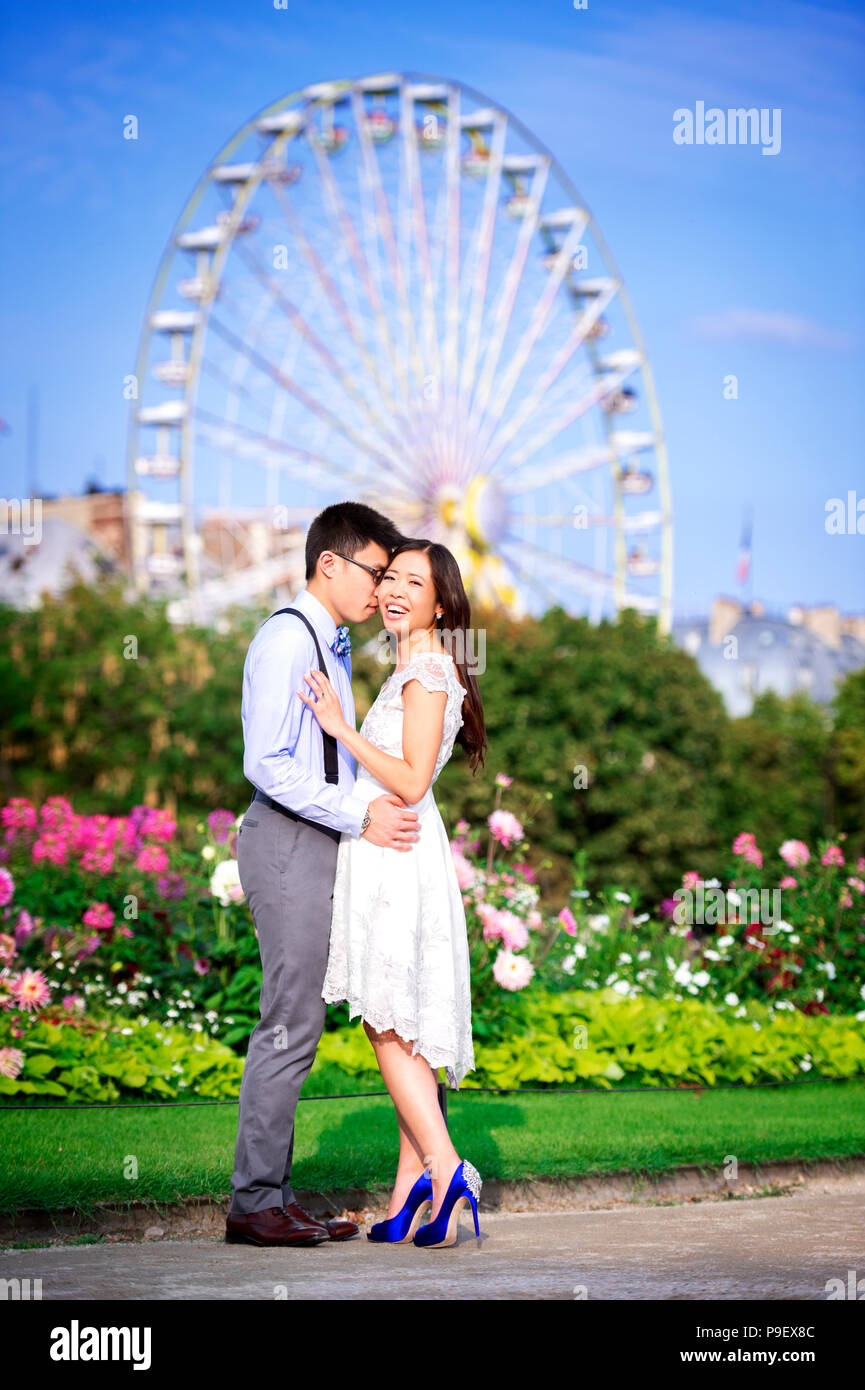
(283, 744)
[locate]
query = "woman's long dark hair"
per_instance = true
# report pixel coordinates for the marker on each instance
(454, 631)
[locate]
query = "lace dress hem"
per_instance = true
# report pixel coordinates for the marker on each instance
(406, 1029)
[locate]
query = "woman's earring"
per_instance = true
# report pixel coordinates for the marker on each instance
(439, 620)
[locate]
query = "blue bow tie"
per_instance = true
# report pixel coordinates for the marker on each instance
(341, 643)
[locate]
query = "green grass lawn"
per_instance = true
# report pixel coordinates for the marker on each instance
(52, 1159)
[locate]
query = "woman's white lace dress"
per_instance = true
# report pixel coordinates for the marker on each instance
(398, 945)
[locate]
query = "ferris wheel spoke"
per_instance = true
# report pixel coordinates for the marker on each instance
(335, 204)
(561, 467)
(583, 576)
(370, 171)
(592, 397)
(294, 460)
(531, 580)
(508, 295)
(314, 406)
(308, 334)
(500, 438)
(346, 316)
(478, 261)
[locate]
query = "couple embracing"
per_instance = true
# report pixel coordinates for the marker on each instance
(345, 863)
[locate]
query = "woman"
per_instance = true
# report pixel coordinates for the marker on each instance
(398, 946)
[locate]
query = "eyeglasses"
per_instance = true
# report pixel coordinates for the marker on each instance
(377, 574)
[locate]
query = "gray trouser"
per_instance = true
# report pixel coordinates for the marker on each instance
(287, 870)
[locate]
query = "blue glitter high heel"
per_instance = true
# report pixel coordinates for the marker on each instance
(464, 1186)
(401, 1228)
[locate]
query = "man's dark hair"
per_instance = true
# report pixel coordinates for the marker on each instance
(347, 527)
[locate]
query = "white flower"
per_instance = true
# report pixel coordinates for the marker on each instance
(733, 897)
(643, 917)
(622, 897)
(644, 955)
(624, 959)
(579, 892)
(701, 979)
(208, 852)
(225, 882)
(711, 955)
(726, 940)
(731, 999)
(683, 974)
(828, 966)
(600, 922)
(580, 950)
(805, 1065)
(621, 986)
(568, 963)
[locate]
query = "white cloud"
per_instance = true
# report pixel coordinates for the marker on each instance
(770, 327)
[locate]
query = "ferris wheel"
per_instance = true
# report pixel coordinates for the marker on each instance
(388, 290)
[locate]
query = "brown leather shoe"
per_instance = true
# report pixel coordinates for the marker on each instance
(273, 1226)
(333, 1229)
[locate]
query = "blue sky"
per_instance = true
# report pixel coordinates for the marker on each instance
(735, 262)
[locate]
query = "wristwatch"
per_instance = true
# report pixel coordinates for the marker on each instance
(366, 820)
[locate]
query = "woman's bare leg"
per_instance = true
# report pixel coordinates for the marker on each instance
(424, 1138)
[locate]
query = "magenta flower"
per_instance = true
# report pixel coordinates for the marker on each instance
(568, 921)
(51, 846)
(505, 828)
(171, 885)
(527, 872)
(90, 944)
(160, 825)
(832, 855)
(98, 860)
(788, 882)
(18, 817)
(220, 824)
(100, 916)
(56, 813)
(7, 887)
(73, 1003)
(795, 853)
(201, 967)
(152, 859)
(24, 926)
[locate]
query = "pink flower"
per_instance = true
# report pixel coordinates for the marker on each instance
(56, 813)
(201, 967)
(31, 989)
(534, 919)
(99, 859)
(152, 859)
(7, 947)
(51, 846)
(502, 780)
(18, 816)
(11, 1062)
(832, 855)
(505, 828)
(742, 841)
(100, 916)
(856, 883)
(220, 824)
(91, 944)
(753, 855)
(161, 826)
(514, 932)
(788, 882)
(845, 899)
(73, 1002)
(690, 880)
(24, 926)
(464, 870)
(527, 872)
(568, 921)
(512, 972)
(795, 853)
(7, 887)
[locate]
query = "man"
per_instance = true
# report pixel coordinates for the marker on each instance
(287, 852)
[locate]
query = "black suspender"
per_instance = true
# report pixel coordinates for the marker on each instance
(331, 756)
